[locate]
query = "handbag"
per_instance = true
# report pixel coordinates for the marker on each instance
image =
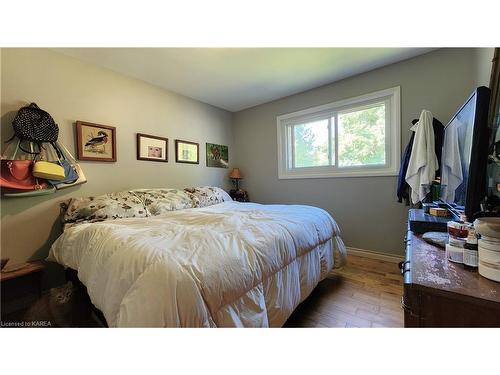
(16, 175)
(70, 173)
(81, 179)
(48, 170)
(35, 125)
(56, 169)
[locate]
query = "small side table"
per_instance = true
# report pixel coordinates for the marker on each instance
(239, 195)
(20, 287)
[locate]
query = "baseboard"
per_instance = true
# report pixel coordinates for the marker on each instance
(374, 255)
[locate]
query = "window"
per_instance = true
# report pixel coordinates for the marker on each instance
(349, 138)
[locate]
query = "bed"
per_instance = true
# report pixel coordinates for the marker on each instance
(224, 264)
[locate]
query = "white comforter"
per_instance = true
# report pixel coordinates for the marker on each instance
(231, 264)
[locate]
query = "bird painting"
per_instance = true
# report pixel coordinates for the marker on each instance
(94, 143)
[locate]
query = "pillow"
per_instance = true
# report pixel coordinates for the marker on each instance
(138, 203)
(104, 207)
(160, 201)
(207, 196)
(225, 196)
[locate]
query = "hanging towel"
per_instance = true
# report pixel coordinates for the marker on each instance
(451, 176)
(423, 162)
(403, 191)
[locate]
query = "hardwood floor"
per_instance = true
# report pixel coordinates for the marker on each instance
(364, 293)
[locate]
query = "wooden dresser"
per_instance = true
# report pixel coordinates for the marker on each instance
(439, 293)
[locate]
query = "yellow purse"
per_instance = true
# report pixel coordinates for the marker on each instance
(48, 170)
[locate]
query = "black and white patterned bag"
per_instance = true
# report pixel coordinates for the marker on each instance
(35, 125)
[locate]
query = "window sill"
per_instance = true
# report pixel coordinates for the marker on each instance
(370, 173)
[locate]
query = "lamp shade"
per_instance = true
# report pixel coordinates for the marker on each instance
(235, 174)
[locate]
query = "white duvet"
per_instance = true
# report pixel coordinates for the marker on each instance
(228, 265)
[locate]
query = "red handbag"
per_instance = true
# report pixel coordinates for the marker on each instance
(17, 175)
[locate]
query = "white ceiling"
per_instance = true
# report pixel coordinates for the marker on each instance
(239, 78)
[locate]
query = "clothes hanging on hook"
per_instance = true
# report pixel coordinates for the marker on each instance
(403, 189)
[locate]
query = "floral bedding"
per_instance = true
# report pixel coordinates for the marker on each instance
(160, 201)
(105, 207)
(139, 203)
(207, 196)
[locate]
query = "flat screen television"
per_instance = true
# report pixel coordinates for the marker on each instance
(465, 155)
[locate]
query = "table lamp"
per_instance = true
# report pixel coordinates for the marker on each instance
(236, 176)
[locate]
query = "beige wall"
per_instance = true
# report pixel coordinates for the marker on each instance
(365, 208)
(71, 90)
(483, 63)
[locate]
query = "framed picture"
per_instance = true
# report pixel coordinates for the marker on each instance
(187, 152)
(152, 148)
(217, 156)
(95, 142)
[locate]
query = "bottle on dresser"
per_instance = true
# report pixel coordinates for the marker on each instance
(471, 249)
(457, 234)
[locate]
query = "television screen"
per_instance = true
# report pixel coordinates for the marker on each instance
(465, 152)
(457, 146)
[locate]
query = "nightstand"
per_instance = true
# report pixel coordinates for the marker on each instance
(239, 195)
(20, 288)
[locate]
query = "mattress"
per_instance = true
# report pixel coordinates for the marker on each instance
(227, 265)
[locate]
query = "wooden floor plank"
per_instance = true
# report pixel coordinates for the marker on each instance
(364, 293)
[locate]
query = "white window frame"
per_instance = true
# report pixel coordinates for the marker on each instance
(390, 96)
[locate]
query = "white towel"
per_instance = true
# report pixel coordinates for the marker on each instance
(423, 161)
(451, 174)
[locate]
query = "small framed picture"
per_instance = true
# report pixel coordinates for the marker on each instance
(187, 152)
(217, 156)
(95, 142)
(152, 148)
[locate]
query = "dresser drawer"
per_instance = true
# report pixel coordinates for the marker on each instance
(439, 293)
